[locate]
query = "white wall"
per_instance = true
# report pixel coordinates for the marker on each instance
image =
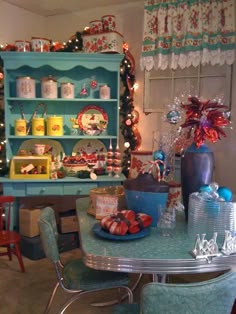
(129, 20)
(16, 24)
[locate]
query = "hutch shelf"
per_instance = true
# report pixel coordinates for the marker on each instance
(80, 69)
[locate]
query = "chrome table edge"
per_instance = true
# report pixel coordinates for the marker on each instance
(160, 266)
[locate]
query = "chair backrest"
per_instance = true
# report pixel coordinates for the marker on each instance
(211, 296)
(48, 233)
(6, 207)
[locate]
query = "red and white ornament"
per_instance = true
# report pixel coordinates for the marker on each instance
(93, 84)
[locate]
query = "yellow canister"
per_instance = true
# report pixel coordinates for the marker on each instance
(54, 126)
(20, 127)
(38, 126)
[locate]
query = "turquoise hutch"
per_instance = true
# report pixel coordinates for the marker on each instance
(79, 69)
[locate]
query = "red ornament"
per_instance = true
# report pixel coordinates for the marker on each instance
(57, 46)
(93, 84)
(9, 47)
(128, 122)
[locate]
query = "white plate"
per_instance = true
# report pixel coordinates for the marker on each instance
(88, 146)
(89, 149)
(56, 148)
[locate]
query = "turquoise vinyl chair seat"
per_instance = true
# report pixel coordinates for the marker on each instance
(73, 276)
(214, 296)
(77, 276)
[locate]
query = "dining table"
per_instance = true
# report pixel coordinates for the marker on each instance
(152, 253)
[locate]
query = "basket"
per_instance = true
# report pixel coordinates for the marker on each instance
(106, 200)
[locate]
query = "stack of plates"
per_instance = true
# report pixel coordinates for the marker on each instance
(209, 216)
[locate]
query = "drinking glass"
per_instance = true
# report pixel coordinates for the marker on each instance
(166, 221)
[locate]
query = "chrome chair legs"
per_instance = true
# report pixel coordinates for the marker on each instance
(82, 293)
(113, 302)
(51, 299)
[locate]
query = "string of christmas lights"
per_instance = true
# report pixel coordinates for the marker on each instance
(129, 116)
(3, 164)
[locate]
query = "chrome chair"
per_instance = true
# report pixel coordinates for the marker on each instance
(74, 277)
(214, 296)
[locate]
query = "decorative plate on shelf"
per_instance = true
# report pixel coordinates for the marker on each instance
(52, 146)
(92, 120)
(90, 150)
(99, 231)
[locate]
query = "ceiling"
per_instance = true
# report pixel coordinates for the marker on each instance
(57, 7)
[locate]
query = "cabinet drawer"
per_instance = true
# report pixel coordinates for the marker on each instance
(16, 189)
(78, 188)
(44, 189)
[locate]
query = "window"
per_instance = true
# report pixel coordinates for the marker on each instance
(208, 82)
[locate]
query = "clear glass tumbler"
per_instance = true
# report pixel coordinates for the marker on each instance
(166, 221)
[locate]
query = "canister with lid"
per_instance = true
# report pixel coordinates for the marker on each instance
(67, 90)
(38, 126)
(22, 45)
(25, 87)
(20, 127)
(109, 23)
(48, 87)
(54, 126)
(105, 92)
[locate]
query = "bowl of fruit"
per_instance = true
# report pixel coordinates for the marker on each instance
(73, 164)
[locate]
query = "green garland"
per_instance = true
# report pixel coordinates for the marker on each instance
(126, 109)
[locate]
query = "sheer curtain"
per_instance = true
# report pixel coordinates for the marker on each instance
(181, 33)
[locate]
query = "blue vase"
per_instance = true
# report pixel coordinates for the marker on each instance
(197, 166)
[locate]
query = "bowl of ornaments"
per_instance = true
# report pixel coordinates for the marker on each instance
(212, 209)
(73, 164)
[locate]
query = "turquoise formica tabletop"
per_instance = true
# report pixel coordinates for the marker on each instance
(153, 254)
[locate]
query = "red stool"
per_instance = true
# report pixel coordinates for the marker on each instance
(9, 239)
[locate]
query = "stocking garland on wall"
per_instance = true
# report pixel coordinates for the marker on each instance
(129, 116)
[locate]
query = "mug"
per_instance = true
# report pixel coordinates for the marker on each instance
(39, 149)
